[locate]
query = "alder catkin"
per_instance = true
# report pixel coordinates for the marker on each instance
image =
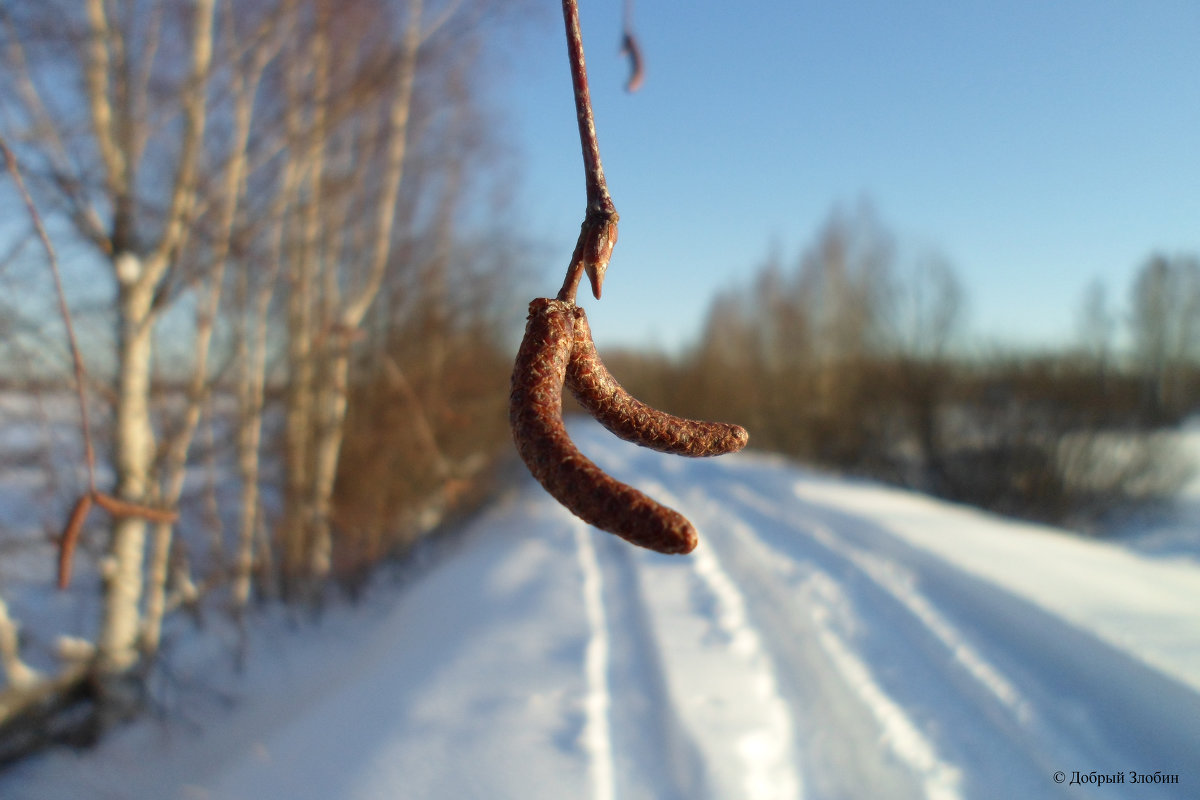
(70, 538)
(535, 413)
(121, 508)
(632, 420)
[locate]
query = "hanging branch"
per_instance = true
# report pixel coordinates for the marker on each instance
(599, 231)
(558, 351)
(79, 512)
(89, 454)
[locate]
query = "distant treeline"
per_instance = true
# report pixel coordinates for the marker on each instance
(854, 361)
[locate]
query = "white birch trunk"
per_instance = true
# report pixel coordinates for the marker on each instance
(252, 355)
(133, 445)
(249, 437)
(114, 98)
(245, 87)
(331, 403)
(172, 487)
(332, 413)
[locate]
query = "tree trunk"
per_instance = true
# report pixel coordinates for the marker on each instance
(252, 356)
(133, 452)
(331, 401)
(328, 446)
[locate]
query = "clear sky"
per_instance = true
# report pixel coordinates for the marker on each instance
(1037, 144)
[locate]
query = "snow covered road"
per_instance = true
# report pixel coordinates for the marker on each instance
(827, 640)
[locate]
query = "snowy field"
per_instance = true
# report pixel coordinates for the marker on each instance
(828, 639)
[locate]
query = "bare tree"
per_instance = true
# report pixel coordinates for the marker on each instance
(341, 243)
(1096, 327)
(251, 156)
(128, 174)
(245, 56)
(811, 338)
(844, 278)
(1165, 323)
(925, 311)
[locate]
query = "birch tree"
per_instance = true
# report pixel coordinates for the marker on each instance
(214, 147)
(342, 243)
(1165, 323)
(127, 171)
(246, 55)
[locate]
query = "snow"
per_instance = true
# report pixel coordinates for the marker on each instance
(828, 639)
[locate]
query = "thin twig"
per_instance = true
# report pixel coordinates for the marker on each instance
(599, 231)
(76, 357)
(597, 190)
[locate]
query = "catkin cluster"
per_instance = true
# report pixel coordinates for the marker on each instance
(558, 350)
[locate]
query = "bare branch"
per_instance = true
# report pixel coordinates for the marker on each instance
(195, 107)
(45, 131)
(76, 357)
(598, 235)
(397, 145)
(97, 78)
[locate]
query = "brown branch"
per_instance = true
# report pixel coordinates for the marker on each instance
(123, 508)
(69, 540)
(80, 374)
(598, 235)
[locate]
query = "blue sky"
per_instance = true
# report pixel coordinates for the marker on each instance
(1037, 145)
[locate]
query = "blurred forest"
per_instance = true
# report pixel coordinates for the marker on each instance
(283, 230)
(856, 360)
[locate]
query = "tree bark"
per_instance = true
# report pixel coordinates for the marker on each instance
(133, 445)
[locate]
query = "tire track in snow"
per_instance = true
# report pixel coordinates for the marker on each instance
(596, 737)
(939, 779)
(654, 757)
(1096, 703)
(869, 612)
(721, 680)
(901, 731)
(705, 629)
(997, 686)
(861, 738)
(767, 745)
(999, 683)
(859, 742)
(719, 675)
(900, 584)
